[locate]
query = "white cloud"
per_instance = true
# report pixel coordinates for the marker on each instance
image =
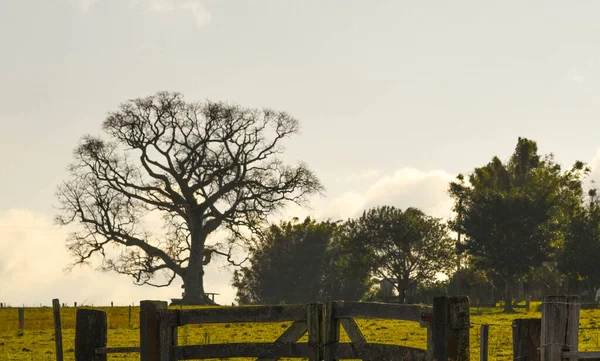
(33, 258)
(408, 187)
(346, 206)
(195, 8)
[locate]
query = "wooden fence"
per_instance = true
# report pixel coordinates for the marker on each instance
(447, 332)
(554, 337)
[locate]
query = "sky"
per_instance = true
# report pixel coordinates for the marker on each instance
(395, 98)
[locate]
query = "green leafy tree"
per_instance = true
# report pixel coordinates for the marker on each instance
(202, 166)
(581, 251)
(300, 262)
(513, 214)
(407, 246)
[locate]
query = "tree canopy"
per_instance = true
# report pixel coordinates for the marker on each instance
(301, 262)
(201, 166)
(407, 246)
(513, 214)
(578, 257)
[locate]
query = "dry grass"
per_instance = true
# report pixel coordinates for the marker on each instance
(36, 341)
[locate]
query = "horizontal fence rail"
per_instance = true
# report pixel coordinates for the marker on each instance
(242, 314)
(374, 351)
(380, 310)
(110, 350)
(260, 350)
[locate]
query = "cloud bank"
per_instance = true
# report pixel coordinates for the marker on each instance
(408, 187)
(33, 258)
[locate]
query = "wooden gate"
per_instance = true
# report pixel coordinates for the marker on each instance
(343, 314)
(306, 318)
(447, 332)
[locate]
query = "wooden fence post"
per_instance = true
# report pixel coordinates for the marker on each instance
(526, 339)
(57, 329)
(440, 328)
(451, 324)
(315, 332)
(129, 317)
(149, 338)
(332, 332)
(430, 343)
(21, 318)
(560, 326)
(168, 320)
(483, 342)
(90, 333)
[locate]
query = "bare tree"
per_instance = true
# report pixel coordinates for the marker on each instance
(203, 166)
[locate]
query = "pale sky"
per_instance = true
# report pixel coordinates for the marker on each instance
(394, 97)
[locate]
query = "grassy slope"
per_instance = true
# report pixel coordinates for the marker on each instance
(36, 341)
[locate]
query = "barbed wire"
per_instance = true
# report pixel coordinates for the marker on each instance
(490, 324)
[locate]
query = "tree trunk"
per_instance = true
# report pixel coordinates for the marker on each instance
(508, 308)
(194, 278)
(401, 294)
(411, 292)
(403, 285)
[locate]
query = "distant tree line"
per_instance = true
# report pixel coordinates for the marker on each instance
(521, 227)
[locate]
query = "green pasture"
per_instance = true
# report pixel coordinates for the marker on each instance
(36, 341)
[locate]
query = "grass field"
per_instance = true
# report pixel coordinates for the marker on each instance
(36, 341)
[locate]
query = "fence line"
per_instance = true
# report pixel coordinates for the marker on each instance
(554, 337)
(447, 332)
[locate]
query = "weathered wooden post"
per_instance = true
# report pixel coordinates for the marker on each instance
(560, 326)
(440, 328)
(129, 317)
(21, 318)
(332, 332)
(90, 333)
(526, 339)
(451, 324)
(484, 342)
(168, 320)
(427, 321)
(57, 329)
(149, 337)
(315, 336)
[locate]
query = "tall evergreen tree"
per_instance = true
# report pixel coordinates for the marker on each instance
(581, 250)
(513, 214)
